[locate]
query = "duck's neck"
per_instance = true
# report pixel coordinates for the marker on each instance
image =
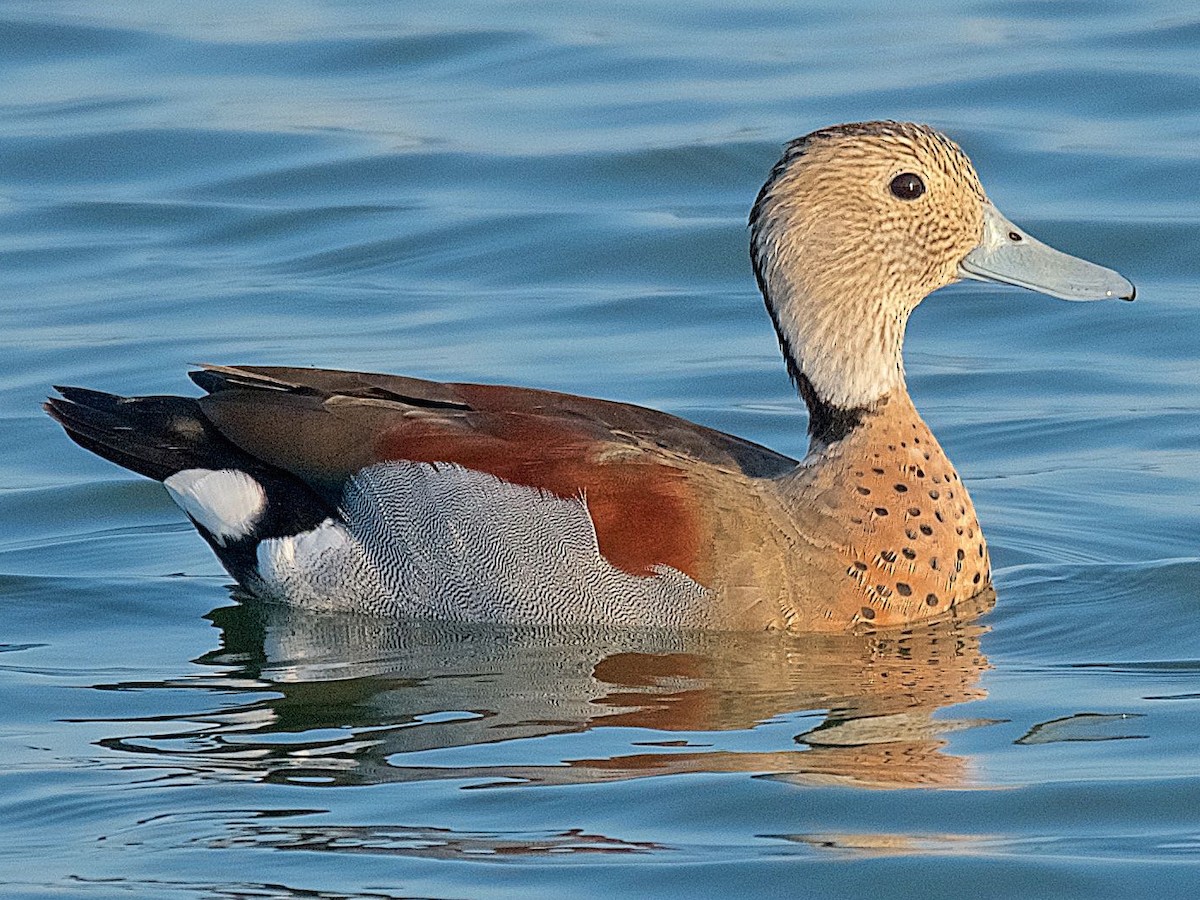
(843, 353)
(840, 314)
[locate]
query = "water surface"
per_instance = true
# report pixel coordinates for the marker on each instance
(553, 195)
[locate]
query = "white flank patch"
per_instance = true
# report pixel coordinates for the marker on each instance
(321, 569)
(303, 549)
(224, 502)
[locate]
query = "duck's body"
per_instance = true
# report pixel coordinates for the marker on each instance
(336, 490)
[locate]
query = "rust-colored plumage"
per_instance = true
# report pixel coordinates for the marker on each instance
(641, 506)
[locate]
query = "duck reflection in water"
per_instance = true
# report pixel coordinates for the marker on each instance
(362, 700)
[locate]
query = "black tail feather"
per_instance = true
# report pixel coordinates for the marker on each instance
(153, 436)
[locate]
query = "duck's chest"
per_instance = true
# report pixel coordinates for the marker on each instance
(904, 541)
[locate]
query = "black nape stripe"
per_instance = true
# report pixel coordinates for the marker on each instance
(826, 423)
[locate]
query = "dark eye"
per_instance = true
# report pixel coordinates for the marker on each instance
(908, 186)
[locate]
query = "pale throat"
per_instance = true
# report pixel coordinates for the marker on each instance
(848, 343)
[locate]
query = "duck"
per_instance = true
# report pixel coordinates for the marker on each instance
(388, 495)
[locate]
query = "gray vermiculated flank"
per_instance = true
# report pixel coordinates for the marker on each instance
(456, 544)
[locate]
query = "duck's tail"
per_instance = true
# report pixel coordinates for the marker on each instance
(235, 500)
(153, 436)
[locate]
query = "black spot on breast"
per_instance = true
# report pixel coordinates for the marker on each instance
(903, 589)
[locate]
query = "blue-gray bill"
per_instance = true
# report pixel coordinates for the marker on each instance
(1008, 255)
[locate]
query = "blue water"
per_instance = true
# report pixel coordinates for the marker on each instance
(554, 194)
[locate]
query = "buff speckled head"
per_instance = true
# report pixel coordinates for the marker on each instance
(858, 223)
(895, 204)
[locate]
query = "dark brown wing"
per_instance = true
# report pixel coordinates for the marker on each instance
(630, 463)
(327, 423)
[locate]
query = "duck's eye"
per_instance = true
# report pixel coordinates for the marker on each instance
(908, 186)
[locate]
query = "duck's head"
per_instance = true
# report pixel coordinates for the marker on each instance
(859, 223)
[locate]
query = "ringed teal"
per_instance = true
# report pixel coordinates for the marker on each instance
(337, 490)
